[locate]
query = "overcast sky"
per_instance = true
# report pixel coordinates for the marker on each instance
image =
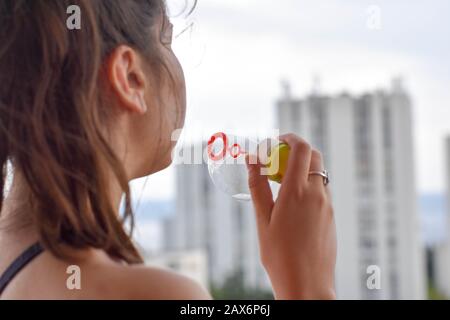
(238, 51)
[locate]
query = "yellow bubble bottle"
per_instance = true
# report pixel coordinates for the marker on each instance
(277, 162)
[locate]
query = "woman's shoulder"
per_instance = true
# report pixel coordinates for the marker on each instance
(104, 278)
(148, 282)
(97, 277)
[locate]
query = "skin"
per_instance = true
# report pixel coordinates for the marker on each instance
(296, 233)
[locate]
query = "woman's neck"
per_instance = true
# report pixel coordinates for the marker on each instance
(17, 207)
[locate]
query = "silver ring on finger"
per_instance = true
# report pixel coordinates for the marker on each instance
(324, 174)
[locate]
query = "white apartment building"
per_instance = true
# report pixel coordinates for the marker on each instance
(442, 250)
(367, 145)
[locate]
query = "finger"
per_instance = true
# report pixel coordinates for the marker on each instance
(316, 165)
(260, 190)
(299, 159)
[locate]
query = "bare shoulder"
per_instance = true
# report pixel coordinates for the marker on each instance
(95, 277)
(146, 282)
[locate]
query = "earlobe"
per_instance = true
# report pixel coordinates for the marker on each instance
(142, 103)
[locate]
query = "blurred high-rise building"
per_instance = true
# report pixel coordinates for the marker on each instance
(367, 145)
(441, 252)
(223, 227)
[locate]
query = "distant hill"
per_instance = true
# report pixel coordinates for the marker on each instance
(155, 210)
(431, 209)
(433, 217)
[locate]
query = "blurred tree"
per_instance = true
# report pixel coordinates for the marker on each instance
(235, 289)
(434, 294)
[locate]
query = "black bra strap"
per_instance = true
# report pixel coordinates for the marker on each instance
(26, 257)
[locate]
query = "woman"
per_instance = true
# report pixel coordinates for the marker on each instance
(83, 112)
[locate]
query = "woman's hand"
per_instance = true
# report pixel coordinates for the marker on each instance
(297, 233)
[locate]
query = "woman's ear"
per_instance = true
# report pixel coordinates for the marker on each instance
(125, 72)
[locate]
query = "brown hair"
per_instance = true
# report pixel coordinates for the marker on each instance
(51, 115)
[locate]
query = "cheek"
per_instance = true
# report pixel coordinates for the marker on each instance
(178, 92)
(171, 110)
